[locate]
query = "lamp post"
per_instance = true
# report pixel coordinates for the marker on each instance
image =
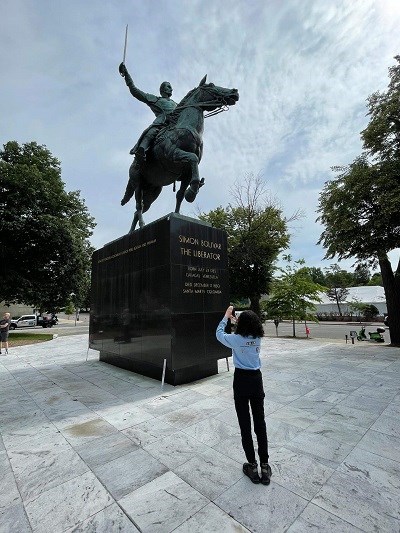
(73, 295)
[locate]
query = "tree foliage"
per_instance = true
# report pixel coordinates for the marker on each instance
(360, 207)
(338, 280)
(316, 274)
(70, 308)
(367, 311)
(381, 137)
(376, 279)
(361, 274)
(359, 210)
(294, 294)
(44, 229)
(257, 232)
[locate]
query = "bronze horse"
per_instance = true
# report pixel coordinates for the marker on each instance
(177, 150)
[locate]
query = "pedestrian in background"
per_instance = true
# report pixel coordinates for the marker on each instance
(248, 389)
(4, 330)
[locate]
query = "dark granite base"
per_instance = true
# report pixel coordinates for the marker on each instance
(172, 377)
(159, 293)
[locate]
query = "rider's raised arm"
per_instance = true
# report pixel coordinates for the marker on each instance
(137, 93)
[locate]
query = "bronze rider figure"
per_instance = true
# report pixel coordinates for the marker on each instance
(160, 105)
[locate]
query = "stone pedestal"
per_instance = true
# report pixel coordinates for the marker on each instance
(158, 294)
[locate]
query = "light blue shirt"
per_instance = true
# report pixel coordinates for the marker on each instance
(245, 350)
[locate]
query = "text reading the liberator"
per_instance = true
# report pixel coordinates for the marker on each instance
(200, 248)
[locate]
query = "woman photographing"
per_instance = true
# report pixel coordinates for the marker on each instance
(248, 388)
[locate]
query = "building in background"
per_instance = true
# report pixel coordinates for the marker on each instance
(374, 295)
(16, 310)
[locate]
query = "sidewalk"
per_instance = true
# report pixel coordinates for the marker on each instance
(88, 447)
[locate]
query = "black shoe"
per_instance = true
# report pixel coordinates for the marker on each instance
(251, 471)
(266, 473)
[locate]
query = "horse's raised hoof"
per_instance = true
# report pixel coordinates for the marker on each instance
(191, 192)
(123, 201)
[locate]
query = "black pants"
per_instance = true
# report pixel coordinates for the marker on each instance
(248, 391)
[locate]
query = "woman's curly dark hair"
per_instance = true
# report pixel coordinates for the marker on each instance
(249, 325)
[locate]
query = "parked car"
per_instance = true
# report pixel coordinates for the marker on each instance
(24, 321)
(30, 321)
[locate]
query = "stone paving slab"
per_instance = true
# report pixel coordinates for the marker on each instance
(88, 447)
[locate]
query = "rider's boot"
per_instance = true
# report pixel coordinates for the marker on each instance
(141, 150)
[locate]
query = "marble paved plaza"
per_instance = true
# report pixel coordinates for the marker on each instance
(89, 447)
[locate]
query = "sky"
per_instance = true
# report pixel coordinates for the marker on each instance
(303, 68)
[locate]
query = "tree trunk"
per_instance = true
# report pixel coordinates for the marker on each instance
(337, 301)
(391, 285)
(294, 326)
(255, 304)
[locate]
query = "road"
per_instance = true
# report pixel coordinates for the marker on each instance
(323, 330)
(62, 329)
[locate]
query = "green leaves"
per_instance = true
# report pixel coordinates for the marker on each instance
(257, 232)
(294, 293)
(44, 229)
(359, 210)
(382, 135)
(360, 207)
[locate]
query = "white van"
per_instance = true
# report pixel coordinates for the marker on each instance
(25, 321)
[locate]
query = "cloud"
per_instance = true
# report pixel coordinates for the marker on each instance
(303, 70)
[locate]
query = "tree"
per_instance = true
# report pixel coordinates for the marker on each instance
(367, 311)
(316, 274)
(361, 275)
(294, 294)
(86, 301)
(360, 208)
(257, 232)
(70, 308)
(44, 229)
(337, 281)
(376, 279)
(381, 138)
(370, 311)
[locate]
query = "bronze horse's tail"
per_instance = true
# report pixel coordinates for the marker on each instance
(128, 194)
(131, 187)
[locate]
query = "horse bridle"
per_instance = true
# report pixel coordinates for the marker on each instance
(224, 106)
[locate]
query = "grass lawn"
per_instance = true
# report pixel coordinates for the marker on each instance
(20, 339)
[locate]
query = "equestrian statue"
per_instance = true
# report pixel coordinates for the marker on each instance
(170, 149)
